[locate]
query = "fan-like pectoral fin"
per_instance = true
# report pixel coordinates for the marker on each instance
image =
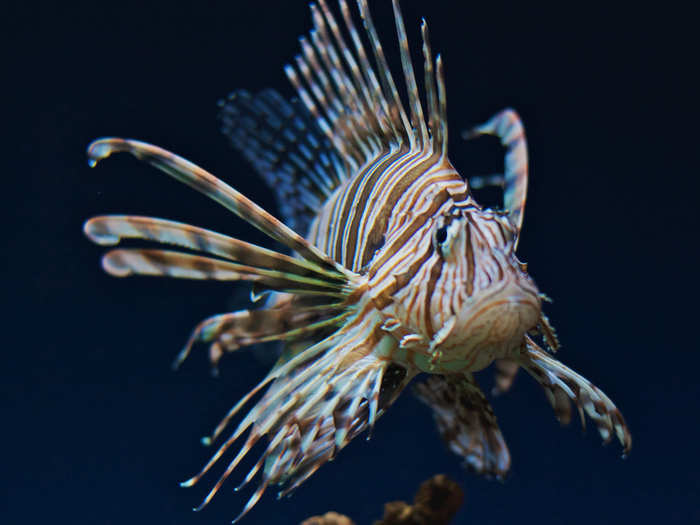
(318, 399)
(508, 127)
(206, 183)
(285, 321)
(562, 386)
(466, 422)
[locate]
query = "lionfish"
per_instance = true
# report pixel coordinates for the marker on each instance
(400, 271)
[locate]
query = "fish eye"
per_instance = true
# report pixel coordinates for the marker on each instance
(441, 234)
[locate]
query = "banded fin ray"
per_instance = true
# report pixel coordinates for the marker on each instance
(108, 230)
(563, 386)
(230, 331)
(357, 105)
(313, 412)
(206, 183)
(123, 262)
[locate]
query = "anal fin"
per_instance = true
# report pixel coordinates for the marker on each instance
(466, 422)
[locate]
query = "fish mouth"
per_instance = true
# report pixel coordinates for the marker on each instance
(494, 324)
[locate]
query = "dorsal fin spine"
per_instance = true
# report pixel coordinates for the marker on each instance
(430, 89)
(368, 106)
(442, 97)
(329, 58)
(380, 104)
(329, 102)
(385, 76)
(417, 119)
(345, 85)
(358, 106)
(321, 121)
(358, 82)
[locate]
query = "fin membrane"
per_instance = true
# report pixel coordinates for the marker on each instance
(466, 423)
(563, 386)
(287, 148)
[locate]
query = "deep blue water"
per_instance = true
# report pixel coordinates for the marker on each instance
(98, 429)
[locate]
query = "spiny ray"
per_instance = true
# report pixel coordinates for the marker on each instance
(248, 327)
(380, 104)
(357, 79)
(208, 184)
(125, 262)
(417, 119)
(430, 88)
(442, 103)
(555, 377)
(398, 112)
(111, 229)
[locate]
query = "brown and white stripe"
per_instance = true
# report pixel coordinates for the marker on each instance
(372, 295)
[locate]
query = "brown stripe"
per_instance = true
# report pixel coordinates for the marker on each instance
(470, 258)
(355, 207)
(435, 273)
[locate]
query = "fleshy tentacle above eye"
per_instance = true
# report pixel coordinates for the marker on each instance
(508, 127)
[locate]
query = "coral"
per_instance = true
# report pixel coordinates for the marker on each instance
(329, 518)
(436, 502)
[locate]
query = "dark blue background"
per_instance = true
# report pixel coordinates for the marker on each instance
(97, 428)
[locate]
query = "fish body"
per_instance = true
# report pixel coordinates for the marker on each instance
(394, 269)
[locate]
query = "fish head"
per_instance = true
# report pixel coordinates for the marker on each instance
(482, 300)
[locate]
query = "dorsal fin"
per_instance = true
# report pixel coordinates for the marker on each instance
(284, 144)
(349, 112)
(357, 104)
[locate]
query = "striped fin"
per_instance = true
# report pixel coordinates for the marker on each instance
(467, 423)
(356, 105)
(206, 183)
(284, 144)
(230, 331)
(563, 386)
(109, 230)
(313, 410)
(125, 262)
(508, 127)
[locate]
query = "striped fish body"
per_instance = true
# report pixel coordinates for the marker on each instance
(395, 268)
(452, 304)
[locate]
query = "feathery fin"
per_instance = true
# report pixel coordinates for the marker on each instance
(466, 423)
(123, 262)
(230, 331)
(209, 185)
(357, 105)
(287, 148)
(563, 385)
(109, 230)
